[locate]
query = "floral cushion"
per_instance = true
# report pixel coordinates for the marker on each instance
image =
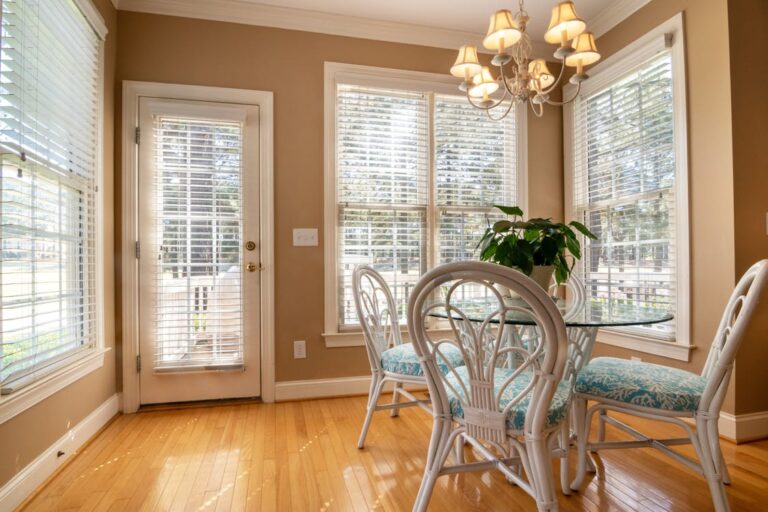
(642, 384)
(516, 415)
(402, 359)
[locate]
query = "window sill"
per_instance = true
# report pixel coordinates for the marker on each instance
(70, 371)
(355, 339)
(669, 349)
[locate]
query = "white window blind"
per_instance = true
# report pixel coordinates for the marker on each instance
(475, 168)
(49, 94)
(417, 175)
(197, 295)
(624, 191)
(382, 154)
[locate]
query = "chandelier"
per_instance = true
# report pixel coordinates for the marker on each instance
(528, 80)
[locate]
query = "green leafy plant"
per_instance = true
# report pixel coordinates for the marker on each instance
(524, 244)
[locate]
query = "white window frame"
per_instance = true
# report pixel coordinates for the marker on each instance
(386, 78)
(667, 36)
(70, 369)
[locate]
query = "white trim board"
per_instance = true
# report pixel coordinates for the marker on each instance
(132, 91)
(741, 428)
(26, 481)
(259, 14)
(613, 14)
(329, 388)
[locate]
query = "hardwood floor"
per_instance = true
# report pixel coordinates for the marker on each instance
(301, 456)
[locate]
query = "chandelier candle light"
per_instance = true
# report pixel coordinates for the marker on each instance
(530, 80)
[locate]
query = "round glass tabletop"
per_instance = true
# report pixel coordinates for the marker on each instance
(591, 313)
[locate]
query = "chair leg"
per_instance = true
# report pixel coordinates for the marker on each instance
(701, 442)
(459, 449)
(396, 399)
(377, 384)
(717, 452)
(583, 425)
(601, 425)
(439, 448)
(565, 444)
(542, 477)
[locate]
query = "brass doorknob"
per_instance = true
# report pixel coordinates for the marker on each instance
(251, 267)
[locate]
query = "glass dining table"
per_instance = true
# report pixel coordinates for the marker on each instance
(583, 319)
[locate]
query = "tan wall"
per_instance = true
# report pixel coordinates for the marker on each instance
(186, 51)
(710, 158)
(747, 20)
(27, 435)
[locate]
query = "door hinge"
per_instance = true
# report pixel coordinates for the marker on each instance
(138, 135)
(138, 249)
(138, 363)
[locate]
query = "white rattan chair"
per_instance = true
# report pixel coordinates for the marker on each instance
(391, 360)
(511, 415)
(670, 395)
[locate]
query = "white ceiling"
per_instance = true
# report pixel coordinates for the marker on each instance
(438, 23)
(465, 16)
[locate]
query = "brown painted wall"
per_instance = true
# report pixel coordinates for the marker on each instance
(27, 435)
(710, 159)
(290, 63)
(747, 20)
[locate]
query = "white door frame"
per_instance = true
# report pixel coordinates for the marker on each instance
(132, 91)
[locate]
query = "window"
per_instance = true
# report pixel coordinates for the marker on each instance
(416, 172)
(50, 152)
(629, 184)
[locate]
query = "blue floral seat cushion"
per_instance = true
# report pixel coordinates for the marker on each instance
(642, 384)
(558, 410)
(402, 359)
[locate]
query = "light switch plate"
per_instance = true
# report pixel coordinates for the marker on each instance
(299, 349)
(305, 237)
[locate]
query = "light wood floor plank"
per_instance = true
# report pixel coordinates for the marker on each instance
(303, 456)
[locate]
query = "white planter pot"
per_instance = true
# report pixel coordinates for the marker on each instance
(541, 275)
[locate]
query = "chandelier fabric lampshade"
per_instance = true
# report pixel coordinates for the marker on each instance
(483, 84)
(467, 64)
(585, 51)
(503, 31)
(564, 24)
(541, 77)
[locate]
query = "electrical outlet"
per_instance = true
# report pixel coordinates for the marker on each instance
(305, 237)
(635, 358)
(299, 349)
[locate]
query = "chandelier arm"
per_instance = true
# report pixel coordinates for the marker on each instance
(539, 112)
(559, 78)
(565, 102)
(507, 90)
(505, 114)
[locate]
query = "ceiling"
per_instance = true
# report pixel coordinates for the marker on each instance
(465, 16)
(438, 23)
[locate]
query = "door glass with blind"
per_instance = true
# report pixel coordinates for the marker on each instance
(199, 312)
(416, 174)
(624, 191)
(49, 106)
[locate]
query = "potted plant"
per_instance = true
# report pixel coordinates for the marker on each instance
(536, 247)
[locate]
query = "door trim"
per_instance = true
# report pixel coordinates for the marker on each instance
(132, 91)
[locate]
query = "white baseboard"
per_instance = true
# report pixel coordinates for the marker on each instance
(741, 428)
(24, 483)
(326, 388)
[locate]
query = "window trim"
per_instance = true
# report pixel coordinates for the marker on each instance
(667, 36)
(73, 368)
(390, 78)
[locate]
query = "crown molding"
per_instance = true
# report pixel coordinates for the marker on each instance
(252, 13)
(612, 15)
